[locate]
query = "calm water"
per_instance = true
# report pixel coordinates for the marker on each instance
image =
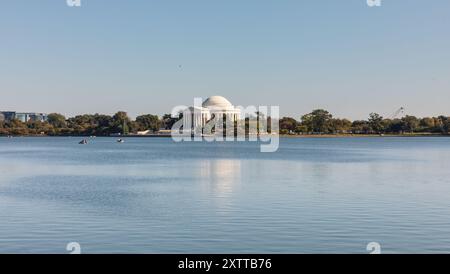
(152, 195)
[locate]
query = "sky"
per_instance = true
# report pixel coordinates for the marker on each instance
(150, 56)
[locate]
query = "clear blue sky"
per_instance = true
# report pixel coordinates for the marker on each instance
(148, 56)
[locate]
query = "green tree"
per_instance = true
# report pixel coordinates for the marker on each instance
(88, 124)
(301, 129)
(148, 122)
(340, 125)
(410, 123)
(427, 124)
(288, 124)
(444, 123)
(121, 122)
(57, 120)
(17, 127)
(168, 121)
(102, 124)
(360, 127)
(376, 123)
(386, 124)
(318, 121)
(397, 126)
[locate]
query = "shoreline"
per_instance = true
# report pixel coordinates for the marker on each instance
(363, 135)
(281, 136)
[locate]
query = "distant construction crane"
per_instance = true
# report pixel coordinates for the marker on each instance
(397, 113)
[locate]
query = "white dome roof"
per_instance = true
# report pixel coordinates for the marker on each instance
(217, 102)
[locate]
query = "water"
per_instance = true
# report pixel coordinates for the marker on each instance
(151, 195)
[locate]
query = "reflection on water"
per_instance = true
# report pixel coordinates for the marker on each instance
(153, 195)
(221, 175)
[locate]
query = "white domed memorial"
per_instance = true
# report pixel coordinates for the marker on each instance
(213, 107)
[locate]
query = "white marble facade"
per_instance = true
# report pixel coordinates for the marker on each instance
(216, 106)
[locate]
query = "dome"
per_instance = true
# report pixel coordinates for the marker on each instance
(217, 102)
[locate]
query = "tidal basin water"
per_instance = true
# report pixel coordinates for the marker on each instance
(151, 195)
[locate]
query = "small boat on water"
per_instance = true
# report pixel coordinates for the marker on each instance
(120, 141)
(83, 142)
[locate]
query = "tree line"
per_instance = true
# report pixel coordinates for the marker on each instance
(87, 125)
(321, 121)
(318, 121)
